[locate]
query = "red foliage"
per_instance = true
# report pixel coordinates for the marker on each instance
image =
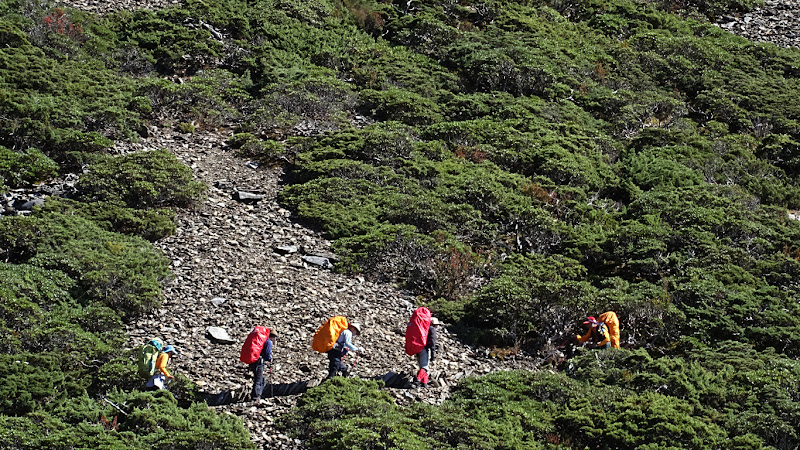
(109, 424)
(470, 153)
(58, 22)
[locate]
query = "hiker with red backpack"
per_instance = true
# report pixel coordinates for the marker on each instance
(157, 381)
(421, 342)
(256, 352)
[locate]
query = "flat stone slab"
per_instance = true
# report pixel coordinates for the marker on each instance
(219, 335)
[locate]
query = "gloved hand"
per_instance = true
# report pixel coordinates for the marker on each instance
(361, 350)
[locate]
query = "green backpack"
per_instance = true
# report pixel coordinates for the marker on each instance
(148, 354)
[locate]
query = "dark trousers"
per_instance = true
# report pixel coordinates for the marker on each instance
(258, 379)
(335, 364)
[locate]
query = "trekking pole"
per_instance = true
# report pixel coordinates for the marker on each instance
(271, 385)
(114, 405)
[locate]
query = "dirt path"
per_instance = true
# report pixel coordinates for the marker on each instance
(229, 275)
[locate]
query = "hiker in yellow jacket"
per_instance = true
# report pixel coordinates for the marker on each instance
(596, 334)
(162, 374)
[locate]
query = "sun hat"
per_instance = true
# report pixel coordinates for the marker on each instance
(435, 321)
(170, 349)
(357, 326)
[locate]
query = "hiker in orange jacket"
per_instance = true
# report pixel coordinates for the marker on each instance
(596, 334)
(162, 374)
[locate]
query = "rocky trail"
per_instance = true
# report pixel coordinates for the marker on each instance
(240, 263)
(240, 260)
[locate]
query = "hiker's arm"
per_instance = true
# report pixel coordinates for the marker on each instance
(606, 338)
(432, 342)
(161, 364)
(267, 352)
(584, 338)
(348, 341)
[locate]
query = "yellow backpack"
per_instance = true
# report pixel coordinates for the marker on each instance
(612, 322)
(326, 335)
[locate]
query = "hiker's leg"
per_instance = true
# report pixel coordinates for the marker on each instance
(334, 362)
(422, 358)
(258, 379)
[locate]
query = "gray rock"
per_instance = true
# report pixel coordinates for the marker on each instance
(322, 254)
(317, 261)
(247, 197)
(286, 249)
(219, 335)
(218, 301)
(224, 185)
(28, 206)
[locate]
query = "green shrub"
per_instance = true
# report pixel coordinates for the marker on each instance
(151, 224)
(141, 180)
(122, 272)
(30, 166)
(249, 146)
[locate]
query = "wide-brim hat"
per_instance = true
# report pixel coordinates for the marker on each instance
(357, 326)
(435, 321)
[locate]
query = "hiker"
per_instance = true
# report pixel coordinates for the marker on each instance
(258, 367)
(612, 324)
(596, 334)
(421, 341)
(426, 355)
(343, 345)
(156, 382)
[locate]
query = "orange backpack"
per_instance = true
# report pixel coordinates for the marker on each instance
(326, 335)
(612, 322)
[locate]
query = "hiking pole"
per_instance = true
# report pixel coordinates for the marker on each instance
(271, 385)
(355, 363)
(114, 405)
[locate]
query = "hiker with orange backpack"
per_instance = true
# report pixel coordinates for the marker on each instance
(335, 339)
(596, 334)
(609, 318)
(343, 345)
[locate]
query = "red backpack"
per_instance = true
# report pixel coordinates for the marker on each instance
(251, 350)
(417, 330)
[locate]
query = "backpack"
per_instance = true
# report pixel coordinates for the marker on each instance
(417, 330)
(251, 350)
(612, 322)
(326, 336)
(148, 354)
